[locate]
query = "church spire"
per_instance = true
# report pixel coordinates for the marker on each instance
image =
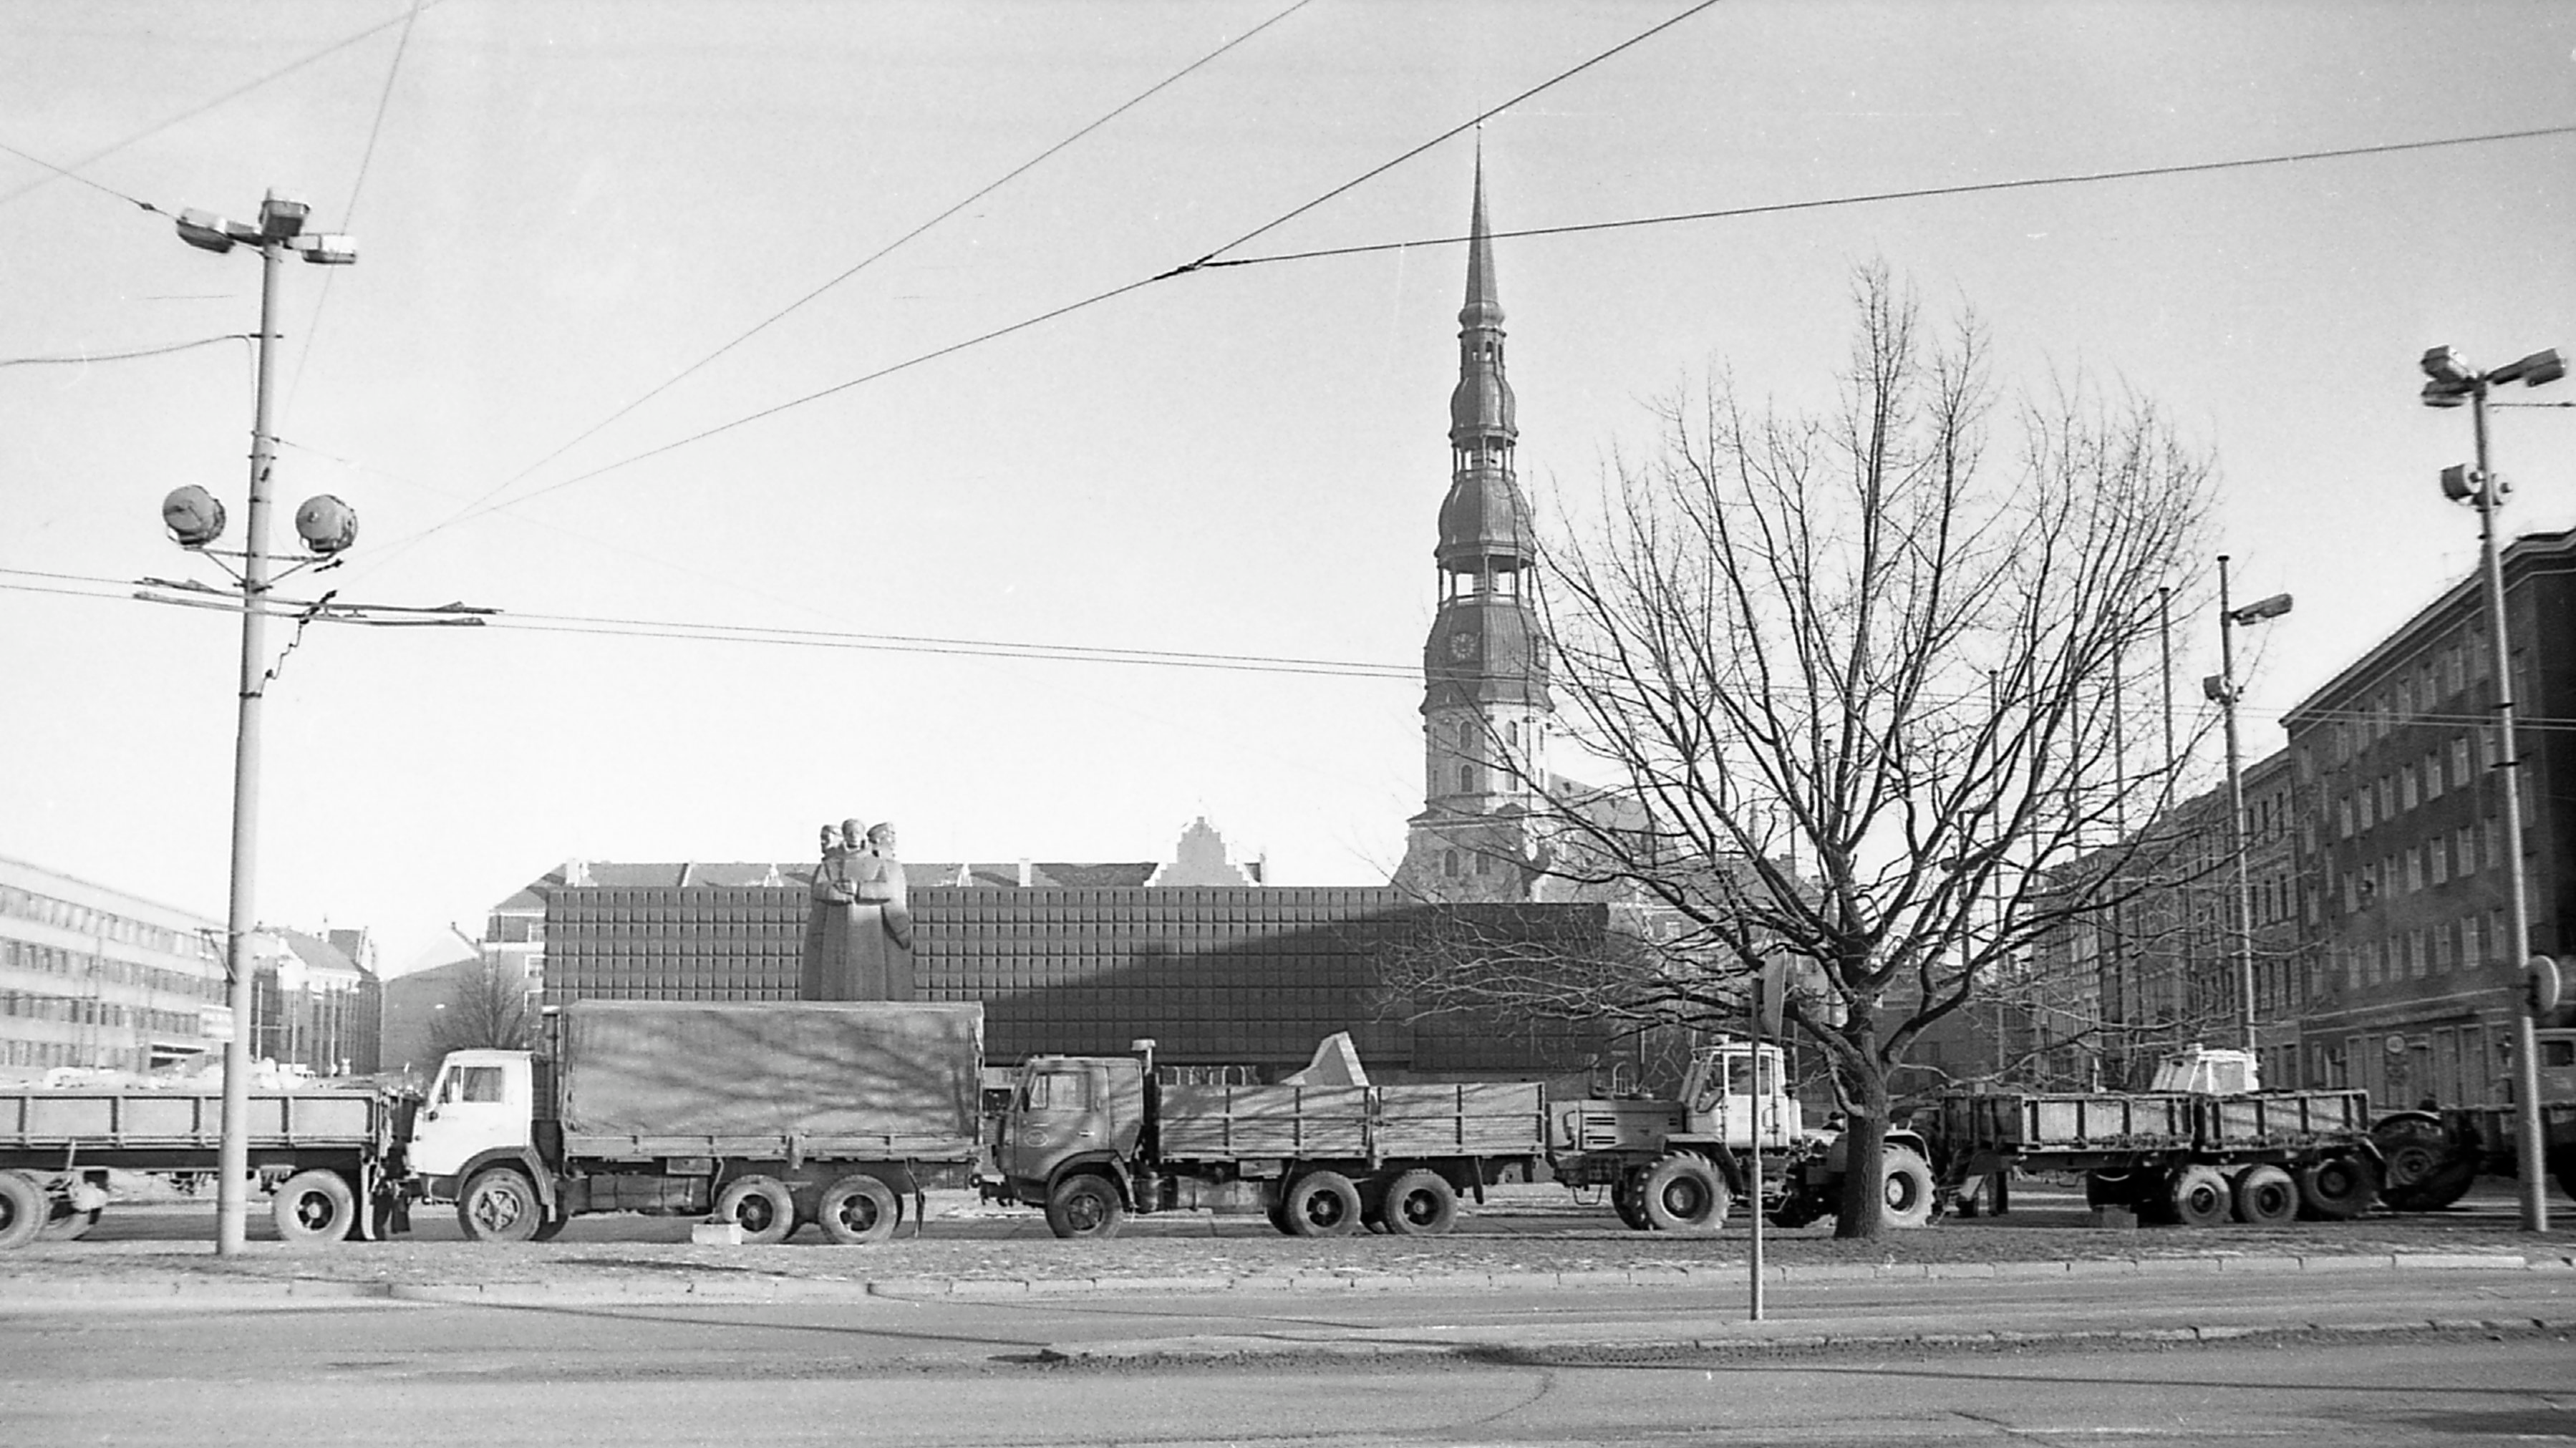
(1485, 705)
(1484, 308)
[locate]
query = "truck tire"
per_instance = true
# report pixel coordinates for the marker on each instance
(1322, 1204)
(313, 1207)
(1682, 1193)
(858, 1210)
(2198, 1196)
(2266, 1197)
(2337, 1188)
(2562, 1165)
(2420, 1170)
(1277, 1212)
(1085, 1207)
(1420, 1204)
(549, 1228)
(23, 1209)
(1907, 1187)
(499, 1204)
(1629, 1204)
(761, 1206)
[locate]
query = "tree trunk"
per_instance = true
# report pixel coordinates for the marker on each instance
(1864, 1195)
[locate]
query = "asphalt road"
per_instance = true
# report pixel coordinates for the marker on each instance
(1552, 1368)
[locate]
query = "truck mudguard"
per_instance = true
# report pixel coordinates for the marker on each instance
(525, 1159)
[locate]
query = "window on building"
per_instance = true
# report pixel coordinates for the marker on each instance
(2440, 853)
(2367, 799)
(2343, 819)
(2406, 796)
(1449, 863)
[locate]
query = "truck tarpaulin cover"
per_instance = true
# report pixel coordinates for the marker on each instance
(821, 1069)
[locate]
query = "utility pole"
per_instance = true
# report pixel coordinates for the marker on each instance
(197, 519)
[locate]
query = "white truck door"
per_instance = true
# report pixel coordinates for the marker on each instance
(481, 1100)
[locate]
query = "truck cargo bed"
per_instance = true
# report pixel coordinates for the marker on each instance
(1214, 1123)
(109, 1119)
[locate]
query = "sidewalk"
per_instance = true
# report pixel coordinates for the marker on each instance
(683, 1282)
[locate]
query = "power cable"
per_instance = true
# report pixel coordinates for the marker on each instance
(73, 170)
(349, 213)
(87, 358)
(1467, 125)
(480, 510)
(880, 253)
(1919, 193)
(1911, 194)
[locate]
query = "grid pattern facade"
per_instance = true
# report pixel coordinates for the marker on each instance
(1214, 975)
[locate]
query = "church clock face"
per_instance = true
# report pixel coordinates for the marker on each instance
(1462, 645)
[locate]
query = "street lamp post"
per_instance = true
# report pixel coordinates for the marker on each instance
(2451, 382)
(196, 519)
(2222, 689)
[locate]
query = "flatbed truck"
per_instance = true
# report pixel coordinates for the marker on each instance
(333, 1155)
(1093, 1139)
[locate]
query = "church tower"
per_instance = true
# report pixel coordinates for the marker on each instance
(1485, 705)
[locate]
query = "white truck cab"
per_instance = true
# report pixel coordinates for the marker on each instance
(482, 1101)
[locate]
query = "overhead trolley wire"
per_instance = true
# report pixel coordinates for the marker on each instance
(477, 509)
(83, 359)
(1052, 313)
(357, 188)
(1918, 193)
(1215, 260)
(73, 171)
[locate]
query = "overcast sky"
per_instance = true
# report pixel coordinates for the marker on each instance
(562, 207)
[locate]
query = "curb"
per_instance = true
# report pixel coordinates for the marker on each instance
(22, 1294)
(1528, 1344)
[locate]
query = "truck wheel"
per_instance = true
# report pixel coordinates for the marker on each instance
(1682, 1193)
(858, 1210)
(499, 1205)
(1420, 1204)
(2198, 1196)
(1085, 1207)
(2337, 1188)
(2266, 1197)
(313, 1207)
(1908, 1195)
(2420, 1170)
(549, 1228)
(2562, 1165)
(760, 1205)
(1631, 1207)
(22, 1210)
(1322, 1204)
(1277, 1212)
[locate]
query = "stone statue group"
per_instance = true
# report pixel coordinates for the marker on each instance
(858, 924)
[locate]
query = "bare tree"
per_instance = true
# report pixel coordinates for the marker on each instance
(1855, 684)
(489, 1010)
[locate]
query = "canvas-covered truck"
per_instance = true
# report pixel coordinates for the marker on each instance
(765, 1115)
(2434, 1156)
(1094, 1138)
(1680, 1165)
(332, 1155)
(2200, 1147)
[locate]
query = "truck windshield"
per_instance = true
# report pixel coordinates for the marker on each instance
(472, 1083)
(1057, 1091)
